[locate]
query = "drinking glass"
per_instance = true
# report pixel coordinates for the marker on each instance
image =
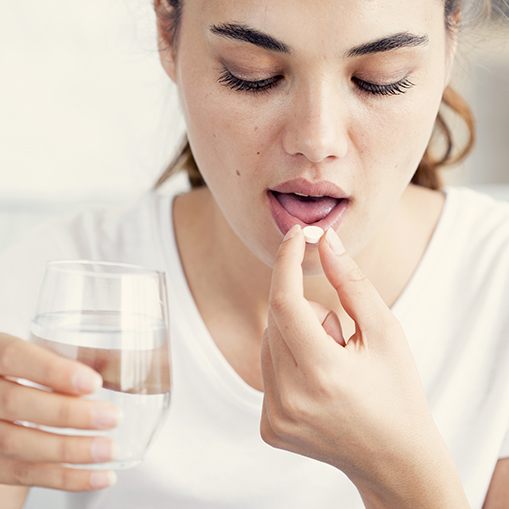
(112, 317)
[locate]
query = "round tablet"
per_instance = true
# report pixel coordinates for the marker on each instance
(312, 234)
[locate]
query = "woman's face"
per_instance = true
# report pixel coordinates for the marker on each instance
(320, 116)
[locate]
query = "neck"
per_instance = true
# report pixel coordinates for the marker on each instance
(232, 277)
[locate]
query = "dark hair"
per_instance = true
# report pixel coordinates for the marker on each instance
(169, 15)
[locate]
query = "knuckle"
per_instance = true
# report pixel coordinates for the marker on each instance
(291, 406)
(8, 400)
(64, 413)
(7, 443)
(266, 432)
(47, 371)
(68, 480)
(324, 387)
(280, 254)
(75, 480)
(271, 434)
(355, 275)
(65, 450)
(21, 473)
(270, 438)
(7, 354)
(279, 303)
(279, 429)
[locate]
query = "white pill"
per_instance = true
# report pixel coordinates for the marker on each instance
(312, 234)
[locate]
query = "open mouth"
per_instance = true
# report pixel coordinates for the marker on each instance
(290, 208)
(309, 209)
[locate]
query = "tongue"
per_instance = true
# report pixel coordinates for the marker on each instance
(310, 211)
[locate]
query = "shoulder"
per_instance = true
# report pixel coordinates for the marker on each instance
(123, 233)
(475, 239)
(78, 233)
(480, 222)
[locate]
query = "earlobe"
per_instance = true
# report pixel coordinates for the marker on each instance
(452, 44)
(450, 58)
(166, 57)
(164, 42)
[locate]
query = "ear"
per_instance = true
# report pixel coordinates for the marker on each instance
(165, 44)
(452, 45)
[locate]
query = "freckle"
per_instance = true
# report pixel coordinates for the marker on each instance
(238, 173)
(256, 128)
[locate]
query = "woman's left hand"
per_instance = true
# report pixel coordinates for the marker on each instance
(358, 403)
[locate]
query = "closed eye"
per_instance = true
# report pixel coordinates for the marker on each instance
(262, 86)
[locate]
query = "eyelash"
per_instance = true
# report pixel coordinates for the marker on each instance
(263, 86)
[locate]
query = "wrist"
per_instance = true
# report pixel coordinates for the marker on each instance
(414, 485)
(446, 495)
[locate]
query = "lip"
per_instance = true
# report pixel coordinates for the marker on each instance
(303, 186)
(284, 220)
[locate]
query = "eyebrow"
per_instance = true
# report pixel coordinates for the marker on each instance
(389, 43)
(245, 33)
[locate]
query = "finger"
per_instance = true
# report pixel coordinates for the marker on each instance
(293, 314)
(330, 322)
(270, 384)
(20, 403)
(23, 359)
(271, 399)
(48, 475)
(280, 354)
(356, 293)
(34, 445)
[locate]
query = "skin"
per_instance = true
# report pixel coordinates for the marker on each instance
(244, 144)
(313, 125)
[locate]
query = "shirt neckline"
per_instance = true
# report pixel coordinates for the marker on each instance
(200, 335)
(245, 393)
(417, 281)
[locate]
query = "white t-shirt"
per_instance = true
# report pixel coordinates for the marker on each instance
(209, 453)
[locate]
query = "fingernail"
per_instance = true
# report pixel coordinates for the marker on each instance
(85, 380)
(106, 417)
(103, 449)
(334, 242)
(102, 479)
(292, 232)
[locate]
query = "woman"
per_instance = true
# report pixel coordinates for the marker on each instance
(383, 350)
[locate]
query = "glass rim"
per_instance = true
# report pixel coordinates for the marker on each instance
(135, 269)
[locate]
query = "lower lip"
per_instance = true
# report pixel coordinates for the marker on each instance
(285, 220)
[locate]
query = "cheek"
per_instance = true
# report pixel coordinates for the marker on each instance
(402, 123)
(221, 126)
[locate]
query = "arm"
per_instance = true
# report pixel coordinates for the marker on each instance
(13, 497)
(498, 492)
(428, 483)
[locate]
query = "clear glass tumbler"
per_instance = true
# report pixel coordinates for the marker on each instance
(112, 317)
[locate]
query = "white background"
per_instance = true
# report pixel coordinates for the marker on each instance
(85, 108)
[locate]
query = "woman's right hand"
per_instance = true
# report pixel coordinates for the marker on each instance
(32, 457)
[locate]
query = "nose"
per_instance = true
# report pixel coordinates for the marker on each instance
(316, 125)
